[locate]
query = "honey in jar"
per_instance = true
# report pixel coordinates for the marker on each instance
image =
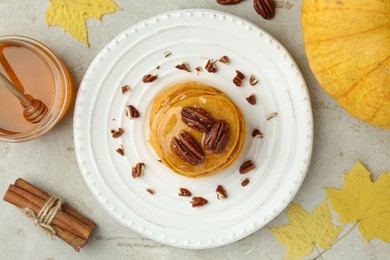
(37, 72)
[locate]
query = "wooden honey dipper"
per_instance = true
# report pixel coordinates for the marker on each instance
(34, 109)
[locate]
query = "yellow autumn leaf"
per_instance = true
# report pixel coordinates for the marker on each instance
(71, 15)
(306, 230)
(364, 202)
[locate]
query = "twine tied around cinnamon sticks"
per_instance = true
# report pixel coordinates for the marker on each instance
(46, 215)
(50, 213)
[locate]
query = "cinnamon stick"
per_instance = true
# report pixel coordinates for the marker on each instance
(43, 195)
(20, 202)
(61, 220)
(71, 239)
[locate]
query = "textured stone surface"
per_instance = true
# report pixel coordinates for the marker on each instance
(50, 162)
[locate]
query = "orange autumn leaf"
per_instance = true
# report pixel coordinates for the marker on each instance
(365, 202)
(71, 15)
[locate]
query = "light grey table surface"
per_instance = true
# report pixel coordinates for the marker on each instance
(50, 162)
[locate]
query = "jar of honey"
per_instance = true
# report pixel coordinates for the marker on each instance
(37, 72)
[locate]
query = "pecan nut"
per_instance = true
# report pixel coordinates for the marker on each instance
(187, 148)
(124, 89)
(221, 192)
(257, 134)
(117, 133)
(183, 66)
(149, 78)
(198, 202)
(151, 191)
(244, 182)
(184, 192)
(253, 80)
(196, 118)
(138, 170)
(237, 80)
(247, 167)
(120, 150)
(224, 59)
(217, 138)
(265, 8)
(228, 2)
(131, 112)
(251, 99)
(210, 66)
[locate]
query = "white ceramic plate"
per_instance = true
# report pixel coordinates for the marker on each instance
(193, 36)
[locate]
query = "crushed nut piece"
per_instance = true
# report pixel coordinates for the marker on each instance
(198, 202)
(183, 66)
(131, 112)
(198, 69)
(124, 89)
(158, 67)
(251, 99)
(228, 2)
(117, 133)
(247, 167)
(237, 80)
(150, 190)
(138, 170)
(253, 80)
(272, 115)
(210, 66)
(120, 150)
(167, 53)
(257, 134)
(149, 78)
(244, 182)
(184, 192)
(221, 193)
(224, 59)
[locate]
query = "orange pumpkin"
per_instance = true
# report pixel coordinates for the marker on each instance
(347, 43)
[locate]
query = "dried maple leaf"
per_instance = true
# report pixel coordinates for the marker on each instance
(306, 230)
(71, 15)
(364, 202)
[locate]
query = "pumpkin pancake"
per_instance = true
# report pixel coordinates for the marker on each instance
(165, 123)
(178, 91)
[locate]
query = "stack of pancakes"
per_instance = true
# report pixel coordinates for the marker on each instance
(165, 123)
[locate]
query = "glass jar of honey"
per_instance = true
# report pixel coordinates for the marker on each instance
(37, 72)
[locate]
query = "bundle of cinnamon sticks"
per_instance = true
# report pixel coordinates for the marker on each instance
(69, 225)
